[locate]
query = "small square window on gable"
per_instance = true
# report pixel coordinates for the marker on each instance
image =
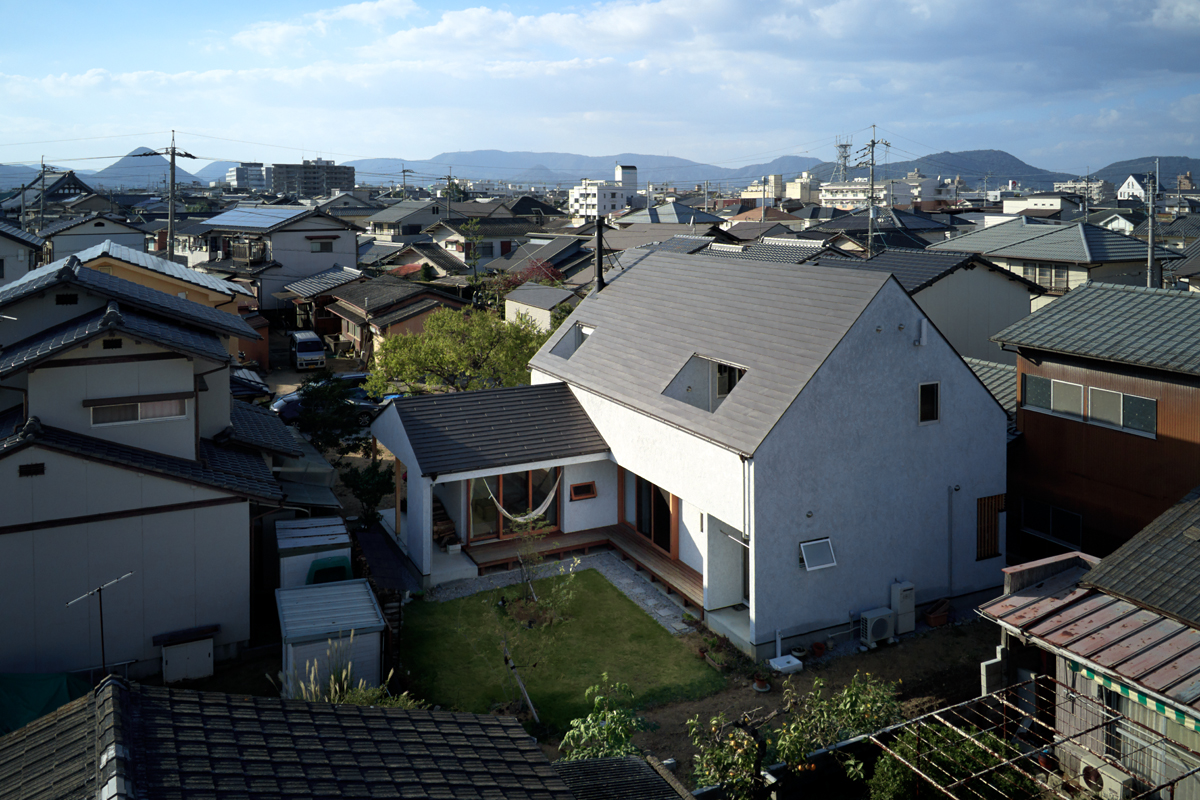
(71, 299)
(704, 382)
(113, 344)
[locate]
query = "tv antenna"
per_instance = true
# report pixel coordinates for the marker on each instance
(99, 592)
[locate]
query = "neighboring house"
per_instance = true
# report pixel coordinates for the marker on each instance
(1060, 257)
(270, 246)
(783, 250)
(499, 237)
(127, 740)
(671, 214)
(1043, 201)
(776, 443)
(20, 251)
(411, 217)
(123, 451)
(892, 228)
(70, 236)
(1136, 187)
(56, 188)
(413, 259)
(536, 302)
(313, 295)
(759, 215)
(384, 306)
(965, 295)
(567, 254)
(1175, 233)
(1096, 190)
(1108, 382)
(750, 231)
(1119, 221)
(1120, 636)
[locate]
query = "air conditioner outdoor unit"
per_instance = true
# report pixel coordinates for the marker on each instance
(876, 625)
(1103, 779)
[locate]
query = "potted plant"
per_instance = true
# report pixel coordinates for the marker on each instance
(760, 683)
(716, 659)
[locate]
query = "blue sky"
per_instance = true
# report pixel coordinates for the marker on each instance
(1061, 85)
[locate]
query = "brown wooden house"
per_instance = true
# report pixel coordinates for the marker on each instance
(1108, 383)
(385, 306)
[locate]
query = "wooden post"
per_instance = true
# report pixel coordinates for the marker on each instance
(508, 661)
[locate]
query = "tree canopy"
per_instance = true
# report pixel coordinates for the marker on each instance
(459, 350)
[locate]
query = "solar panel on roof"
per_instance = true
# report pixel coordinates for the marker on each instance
(261, 217)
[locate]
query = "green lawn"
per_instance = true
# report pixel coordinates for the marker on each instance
(452, 651)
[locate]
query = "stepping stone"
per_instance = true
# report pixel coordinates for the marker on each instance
(680, 627)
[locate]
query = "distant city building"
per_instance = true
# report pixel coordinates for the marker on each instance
(249, 175)
(1095, 189)
(1184, 182)
(312, 178)
(592, 199)
(848, 195)
(765, 190)
(806, 188)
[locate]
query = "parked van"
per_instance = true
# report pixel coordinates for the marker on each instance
(308, 351)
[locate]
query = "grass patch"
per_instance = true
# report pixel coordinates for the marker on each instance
(452, 652)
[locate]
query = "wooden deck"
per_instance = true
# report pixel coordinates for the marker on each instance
(677, 577)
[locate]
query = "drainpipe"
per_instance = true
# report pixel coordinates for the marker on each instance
(950, 490)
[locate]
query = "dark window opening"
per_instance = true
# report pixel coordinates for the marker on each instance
(322, 247)
(930, 409)
(583, 491)
(66, 299)
(113, 344)
(727, 378)
(1042, 518)
(29, 470)
(653, 513)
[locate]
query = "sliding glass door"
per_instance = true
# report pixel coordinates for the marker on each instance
(519, 493)
(648, 510)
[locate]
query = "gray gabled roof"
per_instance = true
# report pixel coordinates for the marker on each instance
(323, 282)
(67, 224)
(681, 243)
(162, 266)
(778, 249)
(1000, 380)
(1076, 243)
(496, 428)
(259, 427)
(919, 269)
(1134, 325)
(109, 322)
(538, 296)
(70, 271)
(15, 234)
(238, 472)
(1159, 568)
(266, 219)
(676, 213)
(778, 321)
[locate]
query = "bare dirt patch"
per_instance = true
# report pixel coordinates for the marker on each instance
(937, 668)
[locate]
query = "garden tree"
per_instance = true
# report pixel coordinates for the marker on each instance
(369, 484)
(459, 350)
(327, 416)
(455, 193)
(607, 732)
(731, 753)
(947, 756)
(472, 239)
(491, 291)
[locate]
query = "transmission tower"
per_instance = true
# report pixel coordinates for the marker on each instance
(840, 171)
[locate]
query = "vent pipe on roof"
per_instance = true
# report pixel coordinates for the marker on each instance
(599, 253)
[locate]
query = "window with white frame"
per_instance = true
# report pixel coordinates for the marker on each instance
(122, 413)
(817, 554)
(1119, 410)
(322, 246)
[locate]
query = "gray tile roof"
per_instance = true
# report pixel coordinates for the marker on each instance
(778, 321)
(23, 237)
(918, 269)
(539, 296)
(258, 427)
(71, 271)
(779, 250)
(398, 211)
(1159, 568)
(109, 322)
(245, 382)
(628, 778)
(681, 243)
(381, 293)
(858, 222)
(181, 743)
(671, 213)
(492, 228)
(139, 258)
(235, 471)
(323, 282)
(1077, 243)
(67, 224)
(1000, 380)
(438, 255)
(749, 231)
(409, 311)
(1134, 325)
(495, 428)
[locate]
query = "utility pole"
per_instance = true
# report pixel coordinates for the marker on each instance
(42, 199)
(762, 217)
(171, 151)
(1153, 270)
(99, 592)
(706, 197)
(404, 173)
(869, 162)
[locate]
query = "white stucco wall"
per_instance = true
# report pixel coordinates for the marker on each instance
(692, 541)
(601, 510)
(850, 449)
(294, 252)
(414, 535)
(56, 397)
(214, 403)
(190, 567)
(453, 495)
(540, 316)
(970, 305)
(723, 567)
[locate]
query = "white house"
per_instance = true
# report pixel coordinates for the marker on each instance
(776, 443)
(69, 236)
(19, 252)
(122, 451)
(1136, 187)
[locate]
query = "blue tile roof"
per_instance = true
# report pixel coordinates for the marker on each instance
(17, 235)
(140, 258)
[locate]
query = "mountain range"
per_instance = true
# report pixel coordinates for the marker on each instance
(145, 169)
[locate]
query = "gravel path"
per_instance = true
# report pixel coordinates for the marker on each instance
(621, 574)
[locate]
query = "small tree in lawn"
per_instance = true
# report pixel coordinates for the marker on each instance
(459, 350)
(607, 732)
(327, 416)
(472, 240)
(369, 484)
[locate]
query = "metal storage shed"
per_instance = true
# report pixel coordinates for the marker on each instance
(311, 616)
(307, 546)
